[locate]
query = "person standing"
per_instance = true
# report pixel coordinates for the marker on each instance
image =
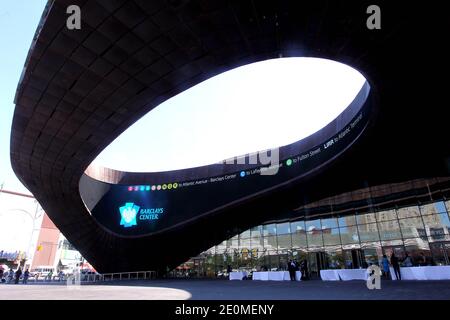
(385, 264)
(291, 269)
(304, 269)
(26, 274)
(50, 275)
(407, 262)
(422, 260)
(10, 276)
(396, 266)
(18, 274)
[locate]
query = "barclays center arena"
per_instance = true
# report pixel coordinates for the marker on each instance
(373, 180)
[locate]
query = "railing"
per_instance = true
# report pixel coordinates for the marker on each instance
(86, 278)
(136, 275)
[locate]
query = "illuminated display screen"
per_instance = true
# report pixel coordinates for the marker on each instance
(142, 209)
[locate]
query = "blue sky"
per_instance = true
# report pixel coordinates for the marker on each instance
(18, 22)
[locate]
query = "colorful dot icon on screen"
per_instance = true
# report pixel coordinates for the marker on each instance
(242, 174)
(169, 186)
(153, 187)
(164, 186)
(136, 188)
(289, 162)
(158, 187)
(147, 188)
(175, 185)
(130, 188)
(142, 188)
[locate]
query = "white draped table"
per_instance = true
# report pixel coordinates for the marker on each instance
(238, 275)
(343, 274)
(275, 275)
(261, 275)
(353, 274)
(329, 275)
(423, 273)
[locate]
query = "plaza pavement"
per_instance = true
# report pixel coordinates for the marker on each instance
(229, 290)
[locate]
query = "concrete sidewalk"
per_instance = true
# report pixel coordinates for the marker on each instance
(229, 290)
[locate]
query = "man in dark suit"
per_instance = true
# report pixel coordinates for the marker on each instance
(291, 269)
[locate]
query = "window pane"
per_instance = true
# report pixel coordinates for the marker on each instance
(412, 228)
(408, 212)
(349, 235)
(245, 234)
(269, 229)
(368, 232)
(244, 243)
(233, 243)
(331, 237)
(256, 233)
(283, 228)
(389, 230)
(297, 225)
(436, 220)
(365, 218)
(284, 241)
(314, 238)
(257, 243)
(313, 224)
(329, 223)
(447, 204)
(299, 239)
(437, 226)
(437, 207)
(270, 243)
(386, 215)
(345, 221)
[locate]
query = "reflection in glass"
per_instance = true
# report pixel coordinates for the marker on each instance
(245, 234)
(299, 239)
(314, 238)
(368, 232)
(349, 220)
(365, 218)
(412, 227)
(284, 241)
(408, 212)
(356, 245)
(270, 243)
(436, 207)
(297, 226)
(349, 235)
(389, 230)
(283, 228)
(270, 229)
(329, 223)
(386, 215)
(331, 237)
(313, 225)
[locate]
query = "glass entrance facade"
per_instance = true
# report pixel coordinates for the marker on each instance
(351, 240)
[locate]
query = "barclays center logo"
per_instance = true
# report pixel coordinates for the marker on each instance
(131, 213)
(128, 214)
